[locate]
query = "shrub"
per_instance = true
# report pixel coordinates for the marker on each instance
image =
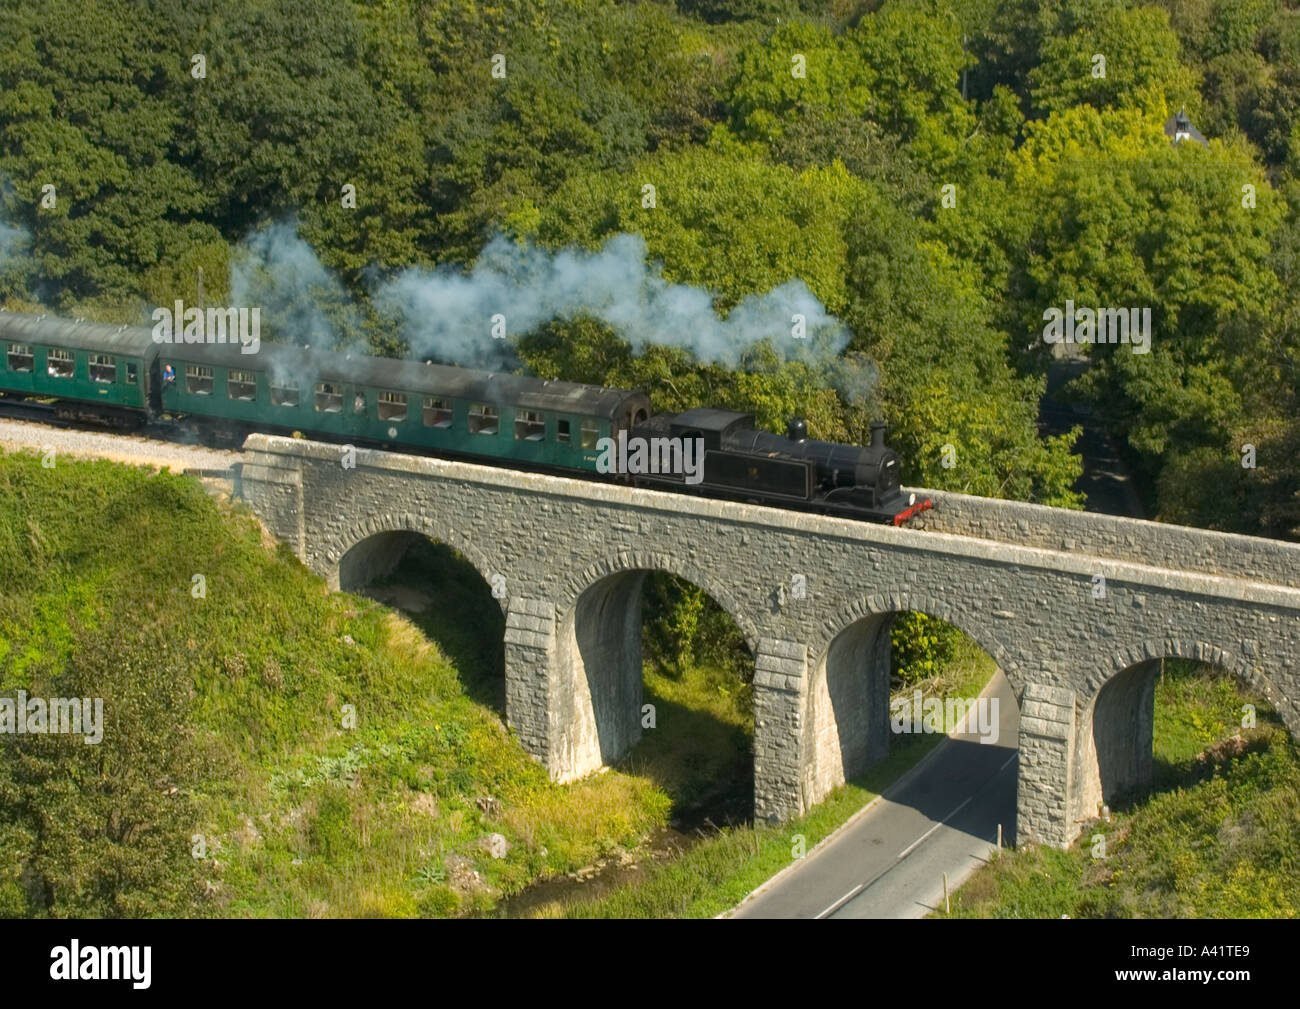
(921, 646)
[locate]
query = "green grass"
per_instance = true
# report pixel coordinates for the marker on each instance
(308, 817)
(1220, 839)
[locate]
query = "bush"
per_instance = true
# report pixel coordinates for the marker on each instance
(104, 830)
(686, 629)
(332, 836)
(921, 646)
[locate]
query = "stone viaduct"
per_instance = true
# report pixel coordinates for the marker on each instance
(568, 558)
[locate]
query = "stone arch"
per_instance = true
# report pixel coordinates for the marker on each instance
(847, 724)
(1177, 648)
(579, 583)
(1115, 717)
(903, 601)
(341, 544)
(598, 655)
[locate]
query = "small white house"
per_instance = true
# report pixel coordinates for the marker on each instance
(1180, 128)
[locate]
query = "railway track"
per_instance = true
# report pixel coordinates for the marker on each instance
(172, 431)
(36, 425)
(28, 410)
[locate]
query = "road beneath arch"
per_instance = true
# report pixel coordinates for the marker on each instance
(889, 860)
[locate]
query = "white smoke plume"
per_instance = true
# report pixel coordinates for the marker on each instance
(449, 315)
(300, 300)
(855, 376)
(15, 240)
(12, 242)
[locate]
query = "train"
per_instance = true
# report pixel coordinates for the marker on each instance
(124, 377)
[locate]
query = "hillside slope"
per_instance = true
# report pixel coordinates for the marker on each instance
(229, 780)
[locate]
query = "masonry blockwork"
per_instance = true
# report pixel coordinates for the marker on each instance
(1017, 578)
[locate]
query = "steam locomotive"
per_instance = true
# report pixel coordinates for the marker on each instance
(123, 376)
(793, 471)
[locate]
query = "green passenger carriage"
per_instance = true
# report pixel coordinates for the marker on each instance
(77, 362)
(429, 407)
(433, 408)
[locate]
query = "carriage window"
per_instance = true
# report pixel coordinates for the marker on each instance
(20, 357)
(198, 379)
(437, 412)
(483, 419)
(529, 426)
(329, 397)
(590, 433)
(283, 394)
(241, 384)
(561, 430)
(392, 406)
(59, 363)
(103, 368)
(132, 374)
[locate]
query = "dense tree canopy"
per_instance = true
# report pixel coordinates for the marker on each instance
(938, 173)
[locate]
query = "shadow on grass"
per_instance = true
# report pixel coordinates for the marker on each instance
(703, 763)
(457, 613)
(1192, 700)
(1167, 775)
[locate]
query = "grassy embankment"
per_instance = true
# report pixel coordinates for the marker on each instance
(1218, 838)
(302, 815)
(306, 817)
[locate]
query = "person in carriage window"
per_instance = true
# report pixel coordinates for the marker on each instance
(168, 374)
(359, 404)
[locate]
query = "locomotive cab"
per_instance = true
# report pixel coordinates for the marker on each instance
(717, 428)
(791, 469)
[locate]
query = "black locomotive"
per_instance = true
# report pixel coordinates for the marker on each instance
(792, 471)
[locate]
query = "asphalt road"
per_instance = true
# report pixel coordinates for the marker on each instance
(1105, 481)
(888, 862)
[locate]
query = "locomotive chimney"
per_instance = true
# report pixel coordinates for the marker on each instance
(797, 429)
(878, 429)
